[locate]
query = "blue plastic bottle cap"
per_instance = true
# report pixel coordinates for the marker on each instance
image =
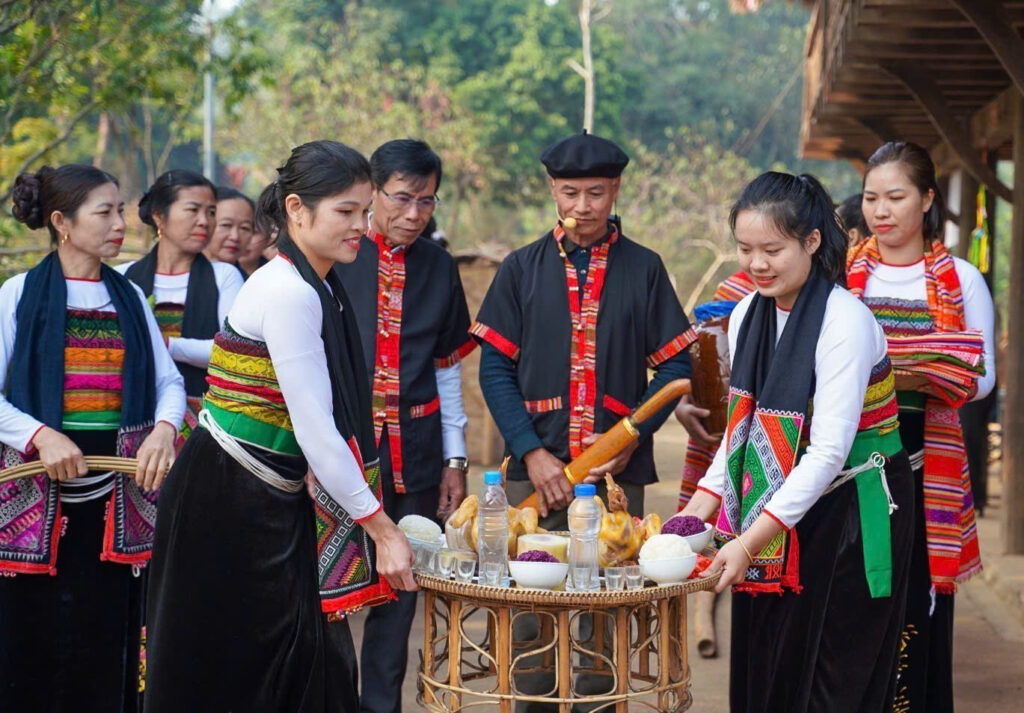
(585, 490)
(492, 477)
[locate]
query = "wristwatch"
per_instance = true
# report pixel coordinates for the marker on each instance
(459, 464)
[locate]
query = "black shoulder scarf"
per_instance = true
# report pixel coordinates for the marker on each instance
(36, 376)
(200, 318)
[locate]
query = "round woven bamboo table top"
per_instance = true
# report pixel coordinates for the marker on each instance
(522, 597)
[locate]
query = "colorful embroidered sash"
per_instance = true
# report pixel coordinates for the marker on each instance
(169, 316)
(244, 397)
(31, 522)
(93, 358)
(953, 551)
(583, 352)
(386, 374)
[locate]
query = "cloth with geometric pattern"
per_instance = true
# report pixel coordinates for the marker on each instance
(771, 387)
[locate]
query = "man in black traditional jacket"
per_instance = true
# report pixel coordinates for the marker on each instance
(569, 328)
(413, 324)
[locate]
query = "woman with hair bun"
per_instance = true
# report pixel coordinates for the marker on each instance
(83, 371)
(191, 295)
(811, 482)
(236, 621)
(915, 289)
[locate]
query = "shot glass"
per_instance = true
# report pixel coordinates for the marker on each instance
(634, 577)
(464, 570)
(445, 564)
(582, 578)
(614, 578)
(490, 574)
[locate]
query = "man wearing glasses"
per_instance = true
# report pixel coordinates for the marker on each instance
(414, 326)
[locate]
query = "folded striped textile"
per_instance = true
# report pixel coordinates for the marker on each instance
(950, 361)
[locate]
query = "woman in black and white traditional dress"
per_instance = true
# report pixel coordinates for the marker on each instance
(84, 372)
(190, 294)
(811, 481)
(235, 620)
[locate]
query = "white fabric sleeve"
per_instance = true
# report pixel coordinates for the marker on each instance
(980, 314)
(850, 344)
(197, 351)
(17, 428)
(191, 351)
(291, 326)
(170, 386)
(453, 415)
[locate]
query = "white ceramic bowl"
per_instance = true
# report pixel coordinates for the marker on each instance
(538, 575)
(699, 541)
(669, 571)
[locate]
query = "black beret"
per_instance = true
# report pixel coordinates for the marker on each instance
(584, 156)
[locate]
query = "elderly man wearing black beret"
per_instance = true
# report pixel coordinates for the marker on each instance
(570, 327)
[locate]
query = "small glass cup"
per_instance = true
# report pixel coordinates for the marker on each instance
(446, 563)
(490, 574)
(582, 578)
(464, 570)
(634, 577)
(614, 578)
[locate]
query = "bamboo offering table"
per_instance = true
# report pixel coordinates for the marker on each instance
(636, 642)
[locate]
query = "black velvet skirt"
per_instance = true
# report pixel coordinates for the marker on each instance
(234, 619)
(830, 647)
(70, 643)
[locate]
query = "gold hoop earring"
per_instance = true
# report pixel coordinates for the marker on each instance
(159, 234)
(66, 237)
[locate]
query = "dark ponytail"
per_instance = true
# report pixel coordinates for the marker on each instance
(797, 206)
(921, 172)
(37, 195)
(313, 171)
(164, 191)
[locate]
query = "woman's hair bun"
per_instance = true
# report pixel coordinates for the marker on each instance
(145, 211)
(28, 209)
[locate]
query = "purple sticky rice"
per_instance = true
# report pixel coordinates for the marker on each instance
(536, 556)
(685, 526)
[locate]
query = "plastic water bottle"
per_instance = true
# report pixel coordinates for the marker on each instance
(584, 525)
(492, 532)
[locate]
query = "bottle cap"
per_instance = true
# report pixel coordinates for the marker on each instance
(492, 477)
(585, 490)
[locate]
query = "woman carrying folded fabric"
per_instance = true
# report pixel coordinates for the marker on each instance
(813, 482)
(190, 295)
(915, 288)
(84, 372)
(235, 620)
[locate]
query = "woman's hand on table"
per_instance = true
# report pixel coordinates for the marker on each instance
(60, 456)
(732, 562)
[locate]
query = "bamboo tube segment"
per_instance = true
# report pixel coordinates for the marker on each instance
(617, 438)
(119, 465)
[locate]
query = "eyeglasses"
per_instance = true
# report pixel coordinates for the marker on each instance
(406, 201)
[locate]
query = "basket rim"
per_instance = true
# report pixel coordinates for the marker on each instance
(518, 596)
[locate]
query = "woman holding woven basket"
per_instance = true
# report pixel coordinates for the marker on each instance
(811, 483)
(84, 372)
(939, 320)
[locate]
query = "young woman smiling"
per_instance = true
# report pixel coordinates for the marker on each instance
(84, 371)
(833, 553)
(191, 295)
(915, 287)
(235, 617)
